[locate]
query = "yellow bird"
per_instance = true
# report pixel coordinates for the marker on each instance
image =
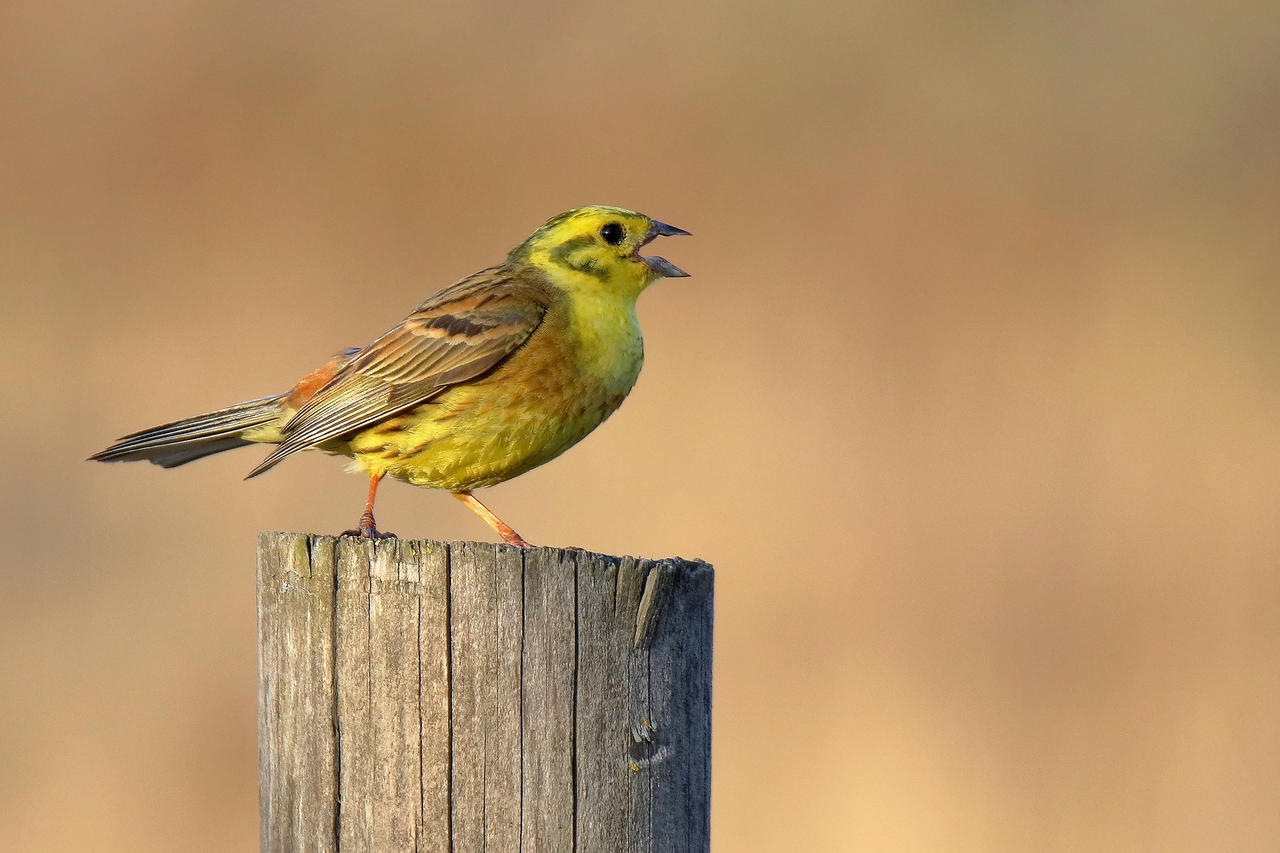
(491, 377)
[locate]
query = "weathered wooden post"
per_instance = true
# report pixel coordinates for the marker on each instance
(424, 696)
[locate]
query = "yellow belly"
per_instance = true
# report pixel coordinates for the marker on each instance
(542, 401)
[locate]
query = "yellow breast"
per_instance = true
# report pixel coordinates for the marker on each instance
(572, 374)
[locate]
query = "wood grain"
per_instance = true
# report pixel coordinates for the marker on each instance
(424, 696)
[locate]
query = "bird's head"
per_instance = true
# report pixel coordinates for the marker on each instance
(599, 247)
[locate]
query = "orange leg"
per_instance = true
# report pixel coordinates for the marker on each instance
(508, 535)
(367, 528)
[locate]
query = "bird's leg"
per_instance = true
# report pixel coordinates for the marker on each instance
(367, 528)
(508, 535)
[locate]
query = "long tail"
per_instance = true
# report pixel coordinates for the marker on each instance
(189, 439)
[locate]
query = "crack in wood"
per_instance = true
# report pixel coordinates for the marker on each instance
(431, 697)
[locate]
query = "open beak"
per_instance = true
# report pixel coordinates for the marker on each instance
(661, 266)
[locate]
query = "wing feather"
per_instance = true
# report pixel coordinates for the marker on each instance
(457, 335)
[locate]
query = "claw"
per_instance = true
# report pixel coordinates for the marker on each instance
(369, 532)
(367, 528)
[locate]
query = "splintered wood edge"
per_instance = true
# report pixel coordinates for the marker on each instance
(310, 540)
(660, 573)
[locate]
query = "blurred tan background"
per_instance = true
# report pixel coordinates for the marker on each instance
(972, 398)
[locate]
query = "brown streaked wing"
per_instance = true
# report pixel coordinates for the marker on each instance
(457, 335)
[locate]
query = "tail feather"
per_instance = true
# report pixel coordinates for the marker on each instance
(180, 442)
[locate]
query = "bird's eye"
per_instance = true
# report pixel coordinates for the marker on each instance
(612, 233)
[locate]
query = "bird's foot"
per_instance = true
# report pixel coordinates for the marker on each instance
(512, 538)
(370, 533)
(368, 530)
(499, 526)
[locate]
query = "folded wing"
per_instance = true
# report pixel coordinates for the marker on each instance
(458, 335)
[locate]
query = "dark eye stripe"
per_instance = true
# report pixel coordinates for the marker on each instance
(569, 254)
